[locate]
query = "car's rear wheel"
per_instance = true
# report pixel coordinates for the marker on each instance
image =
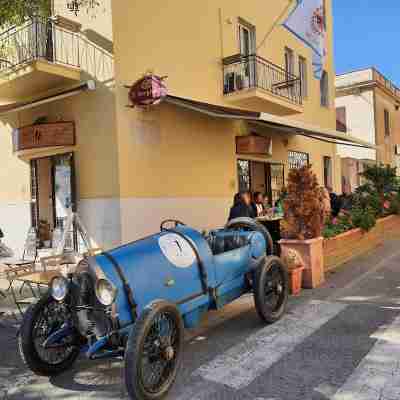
(40, 321)
(154, 347)
(271, 289)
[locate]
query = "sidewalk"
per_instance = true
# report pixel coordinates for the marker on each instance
(328, 337)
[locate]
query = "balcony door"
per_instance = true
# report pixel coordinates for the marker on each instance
(247, 45)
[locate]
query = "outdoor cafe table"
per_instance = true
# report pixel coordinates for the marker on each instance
(273, 224)
(38, 279)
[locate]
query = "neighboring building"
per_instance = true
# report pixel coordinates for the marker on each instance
(233, 71)
(44, 70)
(367, 107)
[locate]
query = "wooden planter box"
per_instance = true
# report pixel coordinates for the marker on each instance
(348, 245)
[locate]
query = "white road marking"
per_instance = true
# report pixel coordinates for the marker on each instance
(377, 377)
(243, 363)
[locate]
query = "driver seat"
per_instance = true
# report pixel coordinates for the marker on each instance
(222, 242)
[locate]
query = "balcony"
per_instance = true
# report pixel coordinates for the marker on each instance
(257, 84)
(37, 57)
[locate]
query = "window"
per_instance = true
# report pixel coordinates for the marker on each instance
(327, 172)
(303, 76)
(387, 122)
(324, 86)
(244, 175)
(247, 38)
(341, 123)
(297, 159)
(289, 61)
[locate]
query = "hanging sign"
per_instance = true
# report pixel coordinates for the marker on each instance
(252, 144)
(44, 135)
(148, 91)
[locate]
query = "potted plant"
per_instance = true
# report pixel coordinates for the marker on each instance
(295, 266)
(301, 229)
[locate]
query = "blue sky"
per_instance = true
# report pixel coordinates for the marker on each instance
(367, 33)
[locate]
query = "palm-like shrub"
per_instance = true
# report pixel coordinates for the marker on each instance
(303, 206)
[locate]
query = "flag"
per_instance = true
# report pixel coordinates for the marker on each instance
(307, 23)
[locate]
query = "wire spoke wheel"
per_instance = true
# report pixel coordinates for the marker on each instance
(271, 289)
(153, 351)
(159, 357)
(53, 315)
(40, 321)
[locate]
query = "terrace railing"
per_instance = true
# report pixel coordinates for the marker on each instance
(247, 72)
(38, 39)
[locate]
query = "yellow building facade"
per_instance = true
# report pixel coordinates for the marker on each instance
(129, 168)
(177, 162)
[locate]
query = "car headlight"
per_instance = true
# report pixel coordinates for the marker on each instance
(105, 292)
(59, 288)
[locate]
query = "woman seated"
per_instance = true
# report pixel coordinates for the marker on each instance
(241, 206)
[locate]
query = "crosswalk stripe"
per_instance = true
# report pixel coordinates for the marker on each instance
(378, 374)
(243, 363)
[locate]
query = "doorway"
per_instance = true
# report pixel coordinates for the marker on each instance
(52, 196)
(264, 177)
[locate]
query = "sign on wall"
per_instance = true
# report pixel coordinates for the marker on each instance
(253, 144)
(147, 91)
(44, 135)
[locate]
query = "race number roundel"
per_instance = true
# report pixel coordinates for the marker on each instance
(177, 250)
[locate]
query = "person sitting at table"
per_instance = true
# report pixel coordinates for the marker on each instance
(258, 204)
(241, 206)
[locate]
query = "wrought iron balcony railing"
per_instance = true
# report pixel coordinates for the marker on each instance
(38, 39)
(249, 72)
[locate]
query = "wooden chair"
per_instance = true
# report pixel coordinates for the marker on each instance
(26, 264)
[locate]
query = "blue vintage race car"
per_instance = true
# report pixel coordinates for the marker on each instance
(134, 301)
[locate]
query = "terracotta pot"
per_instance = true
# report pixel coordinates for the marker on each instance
(311, 251)
(295, 280)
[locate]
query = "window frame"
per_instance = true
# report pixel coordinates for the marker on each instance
(324, 89)
(251, 29)
(289, 66)
(328, 171)
(341, 123)
(387, 122)
(303, 75)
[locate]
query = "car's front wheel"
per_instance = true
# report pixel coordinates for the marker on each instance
(153, 352)
(40, 321)
(271, 289)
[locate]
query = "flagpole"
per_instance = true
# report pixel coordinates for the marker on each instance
(275, 24)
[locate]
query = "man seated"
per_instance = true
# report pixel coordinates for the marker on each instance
(258, 204)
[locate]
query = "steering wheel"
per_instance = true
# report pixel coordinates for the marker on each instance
(175, 223)
(252, 225)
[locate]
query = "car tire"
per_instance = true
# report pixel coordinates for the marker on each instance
(251, 224)
(271, 278)
(29, 351)
(139, 338)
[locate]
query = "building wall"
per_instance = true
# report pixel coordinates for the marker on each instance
(386, 151)
(95, 153)
(360, 122)
(190, 50)
(182, 165)
(176, 163)
(96, 149)
(14, 192)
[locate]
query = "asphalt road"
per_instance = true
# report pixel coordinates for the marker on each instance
(339, 342)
